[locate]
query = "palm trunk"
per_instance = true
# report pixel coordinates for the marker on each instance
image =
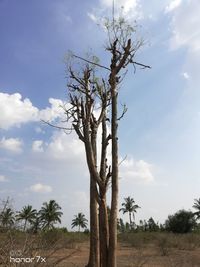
(130, 220)
(25, 225)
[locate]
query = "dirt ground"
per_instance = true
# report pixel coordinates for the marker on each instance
(72, 249)
(127, 256)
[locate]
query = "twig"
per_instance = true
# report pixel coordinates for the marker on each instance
(122, 160)
(56, 126)
(123, 112)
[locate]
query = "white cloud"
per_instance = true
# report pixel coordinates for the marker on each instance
(37, 146)
(3, 178)
(11, 144)
(53, 112)
(41, 188)
(136, 171)
(65, 146)
(14, 110)
(185, 28)
(185, 75)
(173, 5)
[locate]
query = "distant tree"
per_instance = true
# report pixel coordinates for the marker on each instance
(127, 227)
(152, 226)
(7, 218)
(140, 227)
(79, 221)
(121, 225)
(50, 214)
(162, 227)
(27, 214)
(36, 224)
(129, 207)
(181, 222)
(197, 207)
(145, 225)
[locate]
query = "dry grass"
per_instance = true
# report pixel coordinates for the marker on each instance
(55, 247)
(134, 249)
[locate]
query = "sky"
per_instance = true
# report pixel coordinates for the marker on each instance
(159, 135)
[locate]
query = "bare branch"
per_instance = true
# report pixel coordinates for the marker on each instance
(57, 127)
(93, 63)
(123, 112)
(141, 65)
(122, 160)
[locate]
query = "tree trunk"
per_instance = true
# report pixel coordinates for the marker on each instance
(94, 228)
(103, 232)
(103, 214)
(130, 219)
(114, 198)
(94, 256)
(25, 225)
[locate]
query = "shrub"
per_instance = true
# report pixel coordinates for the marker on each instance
(181, 222)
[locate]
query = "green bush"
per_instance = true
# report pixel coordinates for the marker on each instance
(181, 222)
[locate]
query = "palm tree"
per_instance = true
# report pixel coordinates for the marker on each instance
(197, 207)
(79, 221)
(50, 214)
(27, 214)
(130, 207)
(36, 224)
(7, 217)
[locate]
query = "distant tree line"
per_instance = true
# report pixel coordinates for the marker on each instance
(29, 219)
(182, 221)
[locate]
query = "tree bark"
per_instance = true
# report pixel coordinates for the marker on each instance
(114, 197)
(94, 256)
(94, 228)
(103, 214)
(103, 232)
(130, 219)
(25, 225)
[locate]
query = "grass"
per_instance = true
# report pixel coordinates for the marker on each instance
(48, 244)
(69, 249)
(180, 241)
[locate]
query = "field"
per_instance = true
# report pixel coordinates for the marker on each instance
(56, 248)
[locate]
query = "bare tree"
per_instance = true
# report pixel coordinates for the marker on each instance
(93, 106)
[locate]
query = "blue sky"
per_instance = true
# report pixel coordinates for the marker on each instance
(159, 134)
